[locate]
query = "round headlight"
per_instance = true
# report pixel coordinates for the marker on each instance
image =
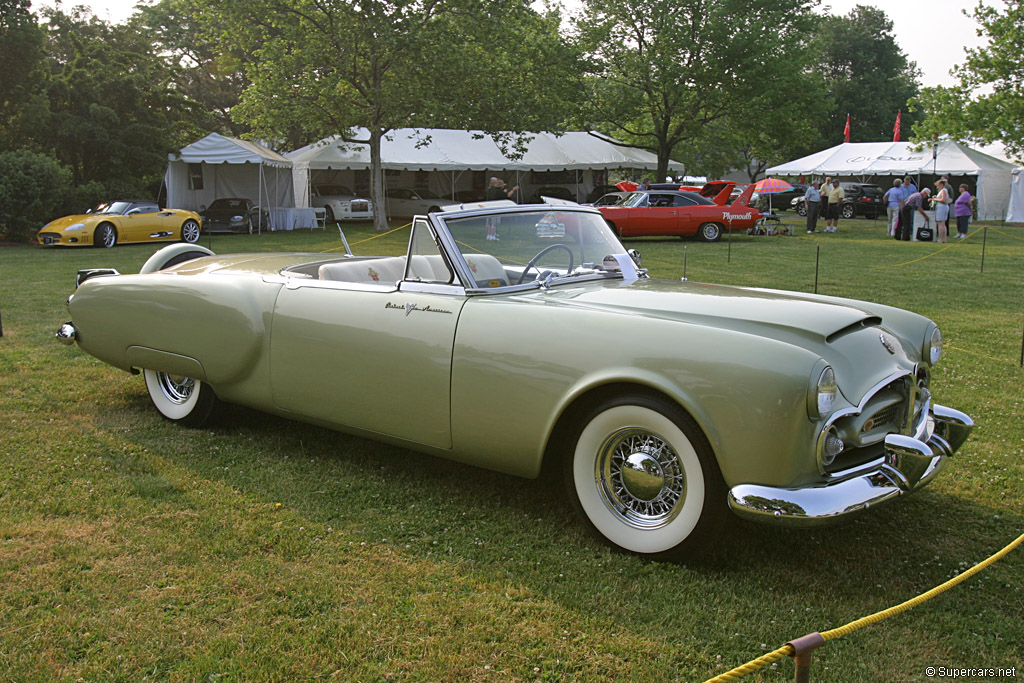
(826, 390)
(935, 346)
(75, 226)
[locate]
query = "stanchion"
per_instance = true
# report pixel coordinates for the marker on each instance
(729, 257)
(817, 261)
(1021, 348)
(984, 241)
(684, 264)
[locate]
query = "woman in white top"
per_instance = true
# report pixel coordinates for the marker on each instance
(942, 202)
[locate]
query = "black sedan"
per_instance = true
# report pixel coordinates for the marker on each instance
(234, 214)
(861, 199)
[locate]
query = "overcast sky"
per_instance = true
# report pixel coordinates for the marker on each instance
(933, 34)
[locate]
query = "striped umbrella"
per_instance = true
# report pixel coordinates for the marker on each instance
(770, 186)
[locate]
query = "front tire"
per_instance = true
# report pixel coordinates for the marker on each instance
(848, 211)
(710, 232)
(801, 209)
(190, 232)
(106, 236)
(180, 399)
(642, 476)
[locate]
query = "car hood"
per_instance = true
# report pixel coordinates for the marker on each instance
(844, 332)
(65, 221)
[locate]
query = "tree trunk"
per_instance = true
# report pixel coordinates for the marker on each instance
(380, 220)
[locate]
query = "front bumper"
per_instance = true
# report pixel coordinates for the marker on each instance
(53, 239)
(909, 463)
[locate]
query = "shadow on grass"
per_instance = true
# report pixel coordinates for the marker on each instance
(523, 531)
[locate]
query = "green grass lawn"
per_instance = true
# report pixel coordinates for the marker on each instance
(264, 550)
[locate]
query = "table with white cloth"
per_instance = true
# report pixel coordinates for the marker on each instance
(290, 218)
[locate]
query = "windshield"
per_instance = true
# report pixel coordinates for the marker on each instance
(333, 190)
(530, 245)
(114, 207)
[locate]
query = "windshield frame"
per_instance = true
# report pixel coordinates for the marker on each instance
(456, 257)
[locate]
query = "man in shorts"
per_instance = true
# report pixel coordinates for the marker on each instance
(835, 200)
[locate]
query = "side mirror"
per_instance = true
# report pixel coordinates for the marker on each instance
(202, 207)
(635, 255)
(132, 212)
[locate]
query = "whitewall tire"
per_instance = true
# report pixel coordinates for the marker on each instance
(643, 477)
(180, 399)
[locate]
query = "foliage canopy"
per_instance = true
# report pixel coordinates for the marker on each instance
(988, 103)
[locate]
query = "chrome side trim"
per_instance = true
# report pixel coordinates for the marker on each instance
(909, 464)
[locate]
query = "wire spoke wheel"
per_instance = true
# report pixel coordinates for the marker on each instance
(180, 399)
(643, 477)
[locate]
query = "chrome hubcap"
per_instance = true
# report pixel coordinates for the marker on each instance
(640, 478)
(176, 388)
(190, 233)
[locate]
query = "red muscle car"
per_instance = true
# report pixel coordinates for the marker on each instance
(680, 212)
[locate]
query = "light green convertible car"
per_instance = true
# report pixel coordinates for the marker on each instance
(514, 337)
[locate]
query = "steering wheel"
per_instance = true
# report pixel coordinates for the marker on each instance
(540, 253)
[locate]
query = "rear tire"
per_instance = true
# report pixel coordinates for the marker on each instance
(190, 232)
(642, 476)
(180, 399)
(710, 232)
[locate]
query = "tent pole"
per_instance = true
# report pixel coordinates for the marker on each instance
(259, 195)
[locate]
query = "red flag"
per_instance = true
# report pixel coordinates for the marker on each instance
(846, 131)
(896, 128)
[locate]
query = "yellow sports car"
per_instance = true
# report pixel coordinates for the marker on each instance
(125, 220)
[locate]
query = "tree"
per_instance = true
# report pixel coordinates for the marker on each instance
(21, 53)
(210, 77)
(673, 77)
(997, 114)
(108, 111)
(867, 76)
(323, 67)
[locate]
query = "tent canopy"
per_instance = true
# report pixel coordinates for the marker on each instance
(219, 149)
(892, 158)
(436, 149)
(219, 166)
(853, 159)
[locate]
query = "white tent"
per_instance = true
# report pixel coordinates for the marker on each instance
(449, 153)
(219, 166)
(861, 159)
(1015, 212)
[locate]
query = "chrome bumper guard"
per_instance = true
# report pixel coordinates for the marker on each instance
(909, 464)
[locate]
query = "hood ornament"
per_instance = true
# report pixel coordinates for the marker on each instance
(889, 346)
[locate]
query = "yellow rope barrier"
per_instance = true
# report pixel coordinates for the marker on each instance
(1006, 234)
(951, 245)
(383, 234)
(788, 650)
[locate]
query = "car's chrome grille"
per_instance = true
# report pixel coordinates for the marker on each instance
(885, 412)
(891, 415)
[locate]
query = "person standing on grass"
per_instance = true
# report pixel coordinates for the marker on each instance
(894, 198)
(812, 204)
(915, 202)
(962, 211)
(835, 200)
(942, 202)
